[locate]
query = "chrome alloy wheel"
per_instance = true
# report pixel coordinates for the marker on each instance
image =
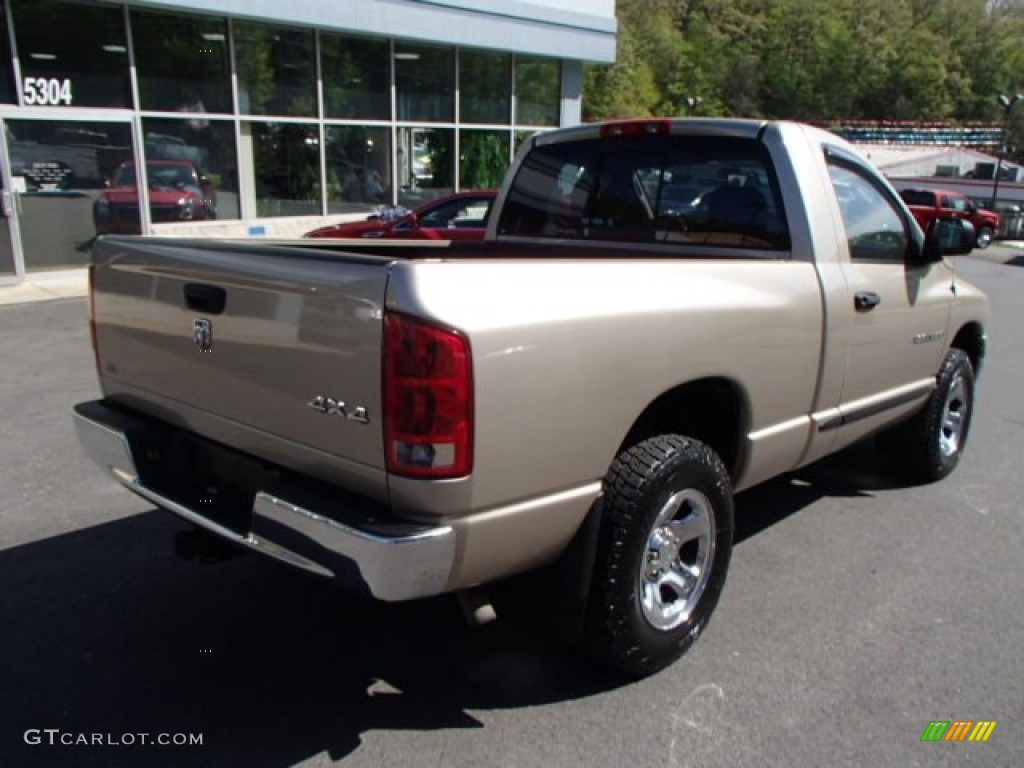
(680, 550)
(954, 413)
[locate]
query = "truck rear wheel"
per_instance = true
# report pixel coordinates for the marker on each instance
(663, 553)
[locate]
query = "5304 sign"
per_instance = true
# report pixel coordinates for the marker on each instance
(46, 91)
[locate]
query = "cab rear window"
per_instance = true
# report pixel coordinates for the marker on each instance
(674, 189)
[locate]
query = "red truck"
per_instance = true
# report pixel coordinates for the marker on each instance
(930, 204)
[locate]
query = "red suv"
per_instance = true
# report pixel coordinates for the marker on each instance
(178, 191)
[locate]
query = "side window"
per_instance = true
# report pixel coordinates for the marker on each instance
(956, 204)
(918, 197)
(874, 227)
(441, 216)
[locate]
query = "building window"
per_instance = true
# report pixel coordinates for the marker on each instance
(182, 62)
(79, 182)
(72, 54)
(425, 83)
(426, 164)
(483, 158)
(204, 147)
(276, 70)
(357, 77)
(538, 91)
(484, 83)
(285, 166)
(358, 167)
(8, 93)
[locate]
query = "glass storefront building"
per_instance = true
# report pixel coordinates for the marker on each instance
(238, 117)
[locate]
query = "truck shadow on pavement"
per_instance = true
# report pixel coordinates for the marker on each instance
(105, 632)
(857, 471)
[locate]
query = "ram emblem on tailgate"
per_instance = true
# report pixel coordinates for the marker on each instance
(202, 333)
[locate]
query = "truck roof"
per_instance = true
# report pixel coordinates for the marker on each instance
(748, 128)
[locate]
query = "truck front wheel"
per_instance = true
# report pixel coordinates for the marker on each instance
(663, 552)
(931, 443)
(984, 237)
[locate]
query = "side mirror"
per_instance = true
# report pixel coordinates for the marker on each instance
(948, 237)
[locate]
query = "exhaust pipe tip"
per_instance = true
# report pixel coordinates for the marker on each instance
(476, 606)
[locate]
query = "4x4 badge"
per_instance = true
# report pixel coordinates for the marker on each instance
(202, 334)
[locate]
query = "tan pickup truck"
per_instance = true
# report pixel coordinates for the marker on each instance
(664, 313)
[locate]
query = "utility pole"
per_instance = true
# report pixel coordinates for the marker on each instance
(1007, 104)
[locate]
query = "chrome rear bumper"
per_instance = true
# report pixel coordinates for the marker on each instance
(392, 561)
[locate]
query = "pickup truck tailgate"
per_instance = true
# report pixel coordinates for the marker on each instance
(280, 344)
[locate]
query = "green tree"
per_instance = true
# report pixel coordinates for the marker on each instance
(812, 59)
(483, 159)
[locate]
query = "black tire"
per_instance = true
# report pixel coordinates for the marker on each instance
(639, 620)
(983, 239)
(931, 443)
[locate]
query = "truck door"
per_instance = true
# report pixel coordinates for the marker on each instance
(896, 314)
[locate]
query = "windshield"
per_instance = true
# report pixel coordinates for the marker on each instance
(160, 176)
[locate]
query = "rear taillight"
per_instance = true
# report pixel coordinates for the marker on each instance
(92, 315)
(428, 399)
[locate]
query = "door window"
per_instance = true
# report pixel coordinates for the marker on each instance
(72, 183)
(875, 230)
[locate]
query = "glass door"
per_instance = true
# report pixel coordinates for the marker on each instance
(8, 271)
(70, 180)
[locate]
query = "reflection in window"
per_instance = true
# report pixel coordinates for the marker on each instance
(521, 137)
(66, 203)
(209, 149)
(874, 229)
(700, 191)
(357, 77)
(426, 164)
(54, 155)
(538, 91)
(276, 70)
(425, 82)
(483, 158)
(358, 167)
(484, 82)
(286, 167)
(182, 62)
(72, 54)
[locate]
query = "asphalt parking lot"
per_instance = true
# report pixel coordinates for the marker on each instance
(857, 610)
